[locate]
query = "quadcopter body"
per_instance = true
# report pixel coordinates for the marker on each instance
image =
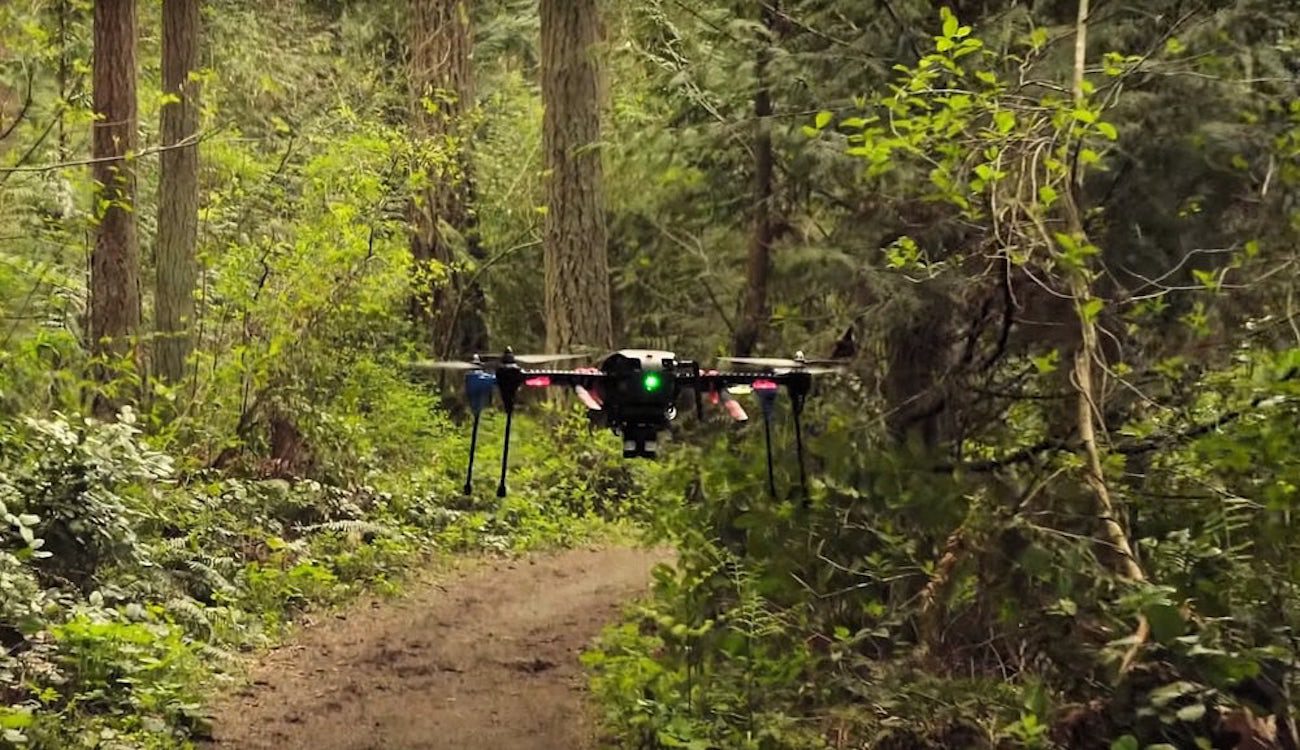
(637, 397)
(635, 393)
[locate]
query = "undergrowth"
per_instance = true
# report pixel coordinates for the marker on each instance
(126, 582)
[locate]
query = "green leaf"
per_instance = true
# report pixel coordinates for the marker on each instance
(1004, 121)
(1090, 309)
(1085, 116)
(1206, 278)
(1191, 713)
(1048, 195)
(14, 719)
(950, 24)
(1166, 694)
(1127, 742)
(823, 119)
(1166, 622)
(1047, 363)
(1108, 130)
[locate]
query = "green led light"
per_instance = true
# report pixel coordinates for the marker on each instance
(651, 382)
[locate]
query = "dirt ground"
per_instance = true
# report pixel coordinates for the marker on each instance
(483, 659)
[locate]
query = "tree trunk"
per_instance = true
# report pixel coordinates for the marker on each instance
(115, 260)
(178, 192)
(441, 75)
(753, 314)
(578, 309)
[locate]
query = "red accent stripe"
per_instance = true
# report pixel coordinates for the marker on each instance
(765, 385)
(541, 381)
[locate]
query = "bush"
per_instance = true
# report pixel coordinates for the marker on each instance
(82, 483)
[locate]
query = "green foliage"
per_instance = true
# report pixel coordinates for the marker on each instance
(952, 584)
(938, 186)
(125, 583)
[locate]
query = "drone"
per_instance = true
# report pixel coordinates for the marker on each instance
(634, 392)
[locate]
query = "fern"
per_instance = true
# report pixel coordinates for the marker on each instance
(349, 527)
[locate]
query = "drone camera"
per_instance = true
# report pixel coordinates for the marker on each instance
(641, 389)
(640, 441)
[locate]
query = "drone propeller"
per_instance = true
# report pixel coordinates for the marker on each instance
(744, 389)
(489, 361)
(529, 359)
(800, 363)
(430, 364)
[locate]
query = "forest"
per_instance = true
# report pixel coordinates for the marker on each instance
(1050, 244)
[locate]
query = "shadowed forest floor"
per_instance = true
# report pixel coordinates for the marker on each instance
(487, 658)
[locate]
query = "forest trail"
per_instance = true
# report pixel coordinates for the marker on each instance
(486, 658)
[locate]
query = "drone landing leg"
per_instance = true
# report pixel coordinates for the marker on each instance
(798, 394)
(473, 445)
(766, 392)
(798, 441)
(767, 439)
(478, 388)
(505, 455)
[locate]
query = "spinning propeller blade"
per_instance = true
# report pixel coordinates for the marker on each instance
(430, 364)
(815, 369)
(799, 363)
(489, 361)
(533, 359)
(776, 363)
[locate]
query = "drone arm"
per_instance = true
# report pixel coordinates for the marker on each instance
(714, 381)
(563, 378)
(584, 383)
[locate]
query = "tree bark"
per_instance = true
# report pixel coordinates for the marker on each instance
(441, 75)
(178, 192)
(753, 314)
(578, 309)
(115, 260)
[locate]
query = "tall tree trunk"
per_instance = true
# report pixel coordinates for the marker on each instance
(115, 260)
(178, 192)
(441, 79)
(63, 77)
(753, 313)
(578, 309)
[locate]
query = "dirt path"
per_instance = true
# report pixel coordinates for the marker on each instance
(484, 659)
